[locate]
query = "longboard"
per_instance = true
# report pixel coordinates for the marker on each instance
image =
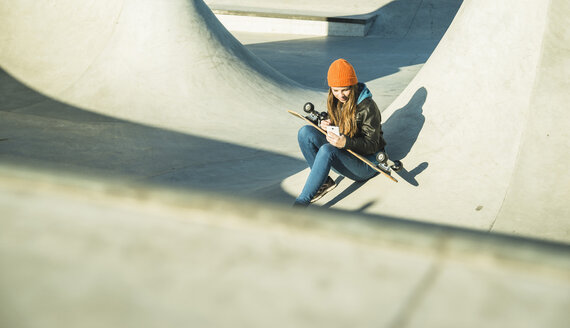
(360, 157)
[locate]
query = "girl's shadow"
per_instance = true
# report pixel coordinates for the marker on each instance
(401, 131)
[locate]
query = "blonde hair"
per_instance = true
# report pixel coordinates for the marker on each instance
(343, 115)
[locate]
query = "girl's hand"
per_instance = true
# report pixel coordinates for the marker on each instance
(325, 123)
(338, 142)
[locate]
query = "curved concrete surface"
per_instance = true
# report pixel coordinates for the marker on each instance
(88, 68)
(544, 141)
(487, 117)
(161, 92)
(171, 65)
(140, 256)
(459, 127)
(335, 7)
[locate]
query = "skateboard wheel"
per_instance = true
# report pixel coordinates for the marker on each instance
(397, 166)
(381, 157)
(308, 107)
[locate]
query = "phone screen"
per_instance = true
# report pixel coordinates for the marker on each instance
(333, 129)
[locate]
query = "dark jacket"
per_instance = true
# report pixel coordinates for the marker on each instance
(369, 137)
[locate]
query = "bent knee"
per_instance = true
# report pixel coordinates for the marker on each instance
(329, 149)
(306, 131)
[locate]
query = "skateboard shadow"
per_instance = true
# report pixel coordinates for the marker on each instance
(410, 176)
(401, 131)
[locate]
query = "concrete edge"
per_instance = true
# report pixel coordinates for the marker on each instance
(353, 19)
(255, 19)
(431, 240)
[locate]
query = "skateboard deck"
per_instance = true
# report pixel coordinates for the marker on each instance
(360, 157)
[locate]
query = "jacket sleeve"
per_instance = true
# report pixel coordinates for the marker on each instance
(369, 137)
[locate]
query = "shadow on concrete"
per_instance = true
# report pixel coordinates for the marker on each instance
(404, 34)
(410, 176)
(40, 132)
(306, 61)
(352, 188)
(412, 19)
(401, 132)
(415, 19)
(345, 193)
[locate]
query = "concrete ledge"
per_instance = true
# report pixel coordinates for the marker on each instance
(245, 19)
(150, 254)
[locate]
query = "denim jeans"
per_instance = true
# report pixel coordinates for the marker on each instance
(321, 157)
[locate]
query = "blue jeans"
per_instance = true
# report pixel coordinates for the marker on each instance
(321, 157)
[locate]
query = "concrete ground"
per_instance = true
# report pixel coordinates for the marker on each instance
(91, 252)
(148, 166)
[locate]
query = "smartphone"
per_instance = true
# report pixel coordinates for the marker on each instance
(333, 129)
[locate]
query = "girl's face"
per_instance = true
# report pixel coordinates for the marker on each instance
(341, 93)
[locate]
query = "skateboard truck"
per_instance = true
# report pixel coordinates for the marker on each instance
(314, 116)
(382, 159)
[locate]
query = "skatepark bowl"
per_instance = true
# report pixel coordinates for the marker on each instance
(148, 165)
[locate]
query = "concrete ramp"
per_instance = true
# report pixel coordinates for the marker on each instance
(466, 127)
(166, 64)
(100, 253)
(537, 198)
(159, 90)
(482, 128)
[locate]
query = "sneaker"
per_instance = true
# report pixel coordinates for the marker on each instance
(326, 187)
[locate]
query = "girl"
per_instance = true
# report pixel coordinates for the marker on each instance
(351, 108)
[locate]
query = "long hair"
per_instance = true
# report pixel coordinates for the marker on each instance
(343, 115)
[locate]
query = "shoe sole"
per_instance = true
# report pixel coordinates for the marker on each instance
(324, 193)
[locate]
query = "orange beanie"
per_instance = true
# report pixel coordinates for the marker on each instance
(341, 74)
